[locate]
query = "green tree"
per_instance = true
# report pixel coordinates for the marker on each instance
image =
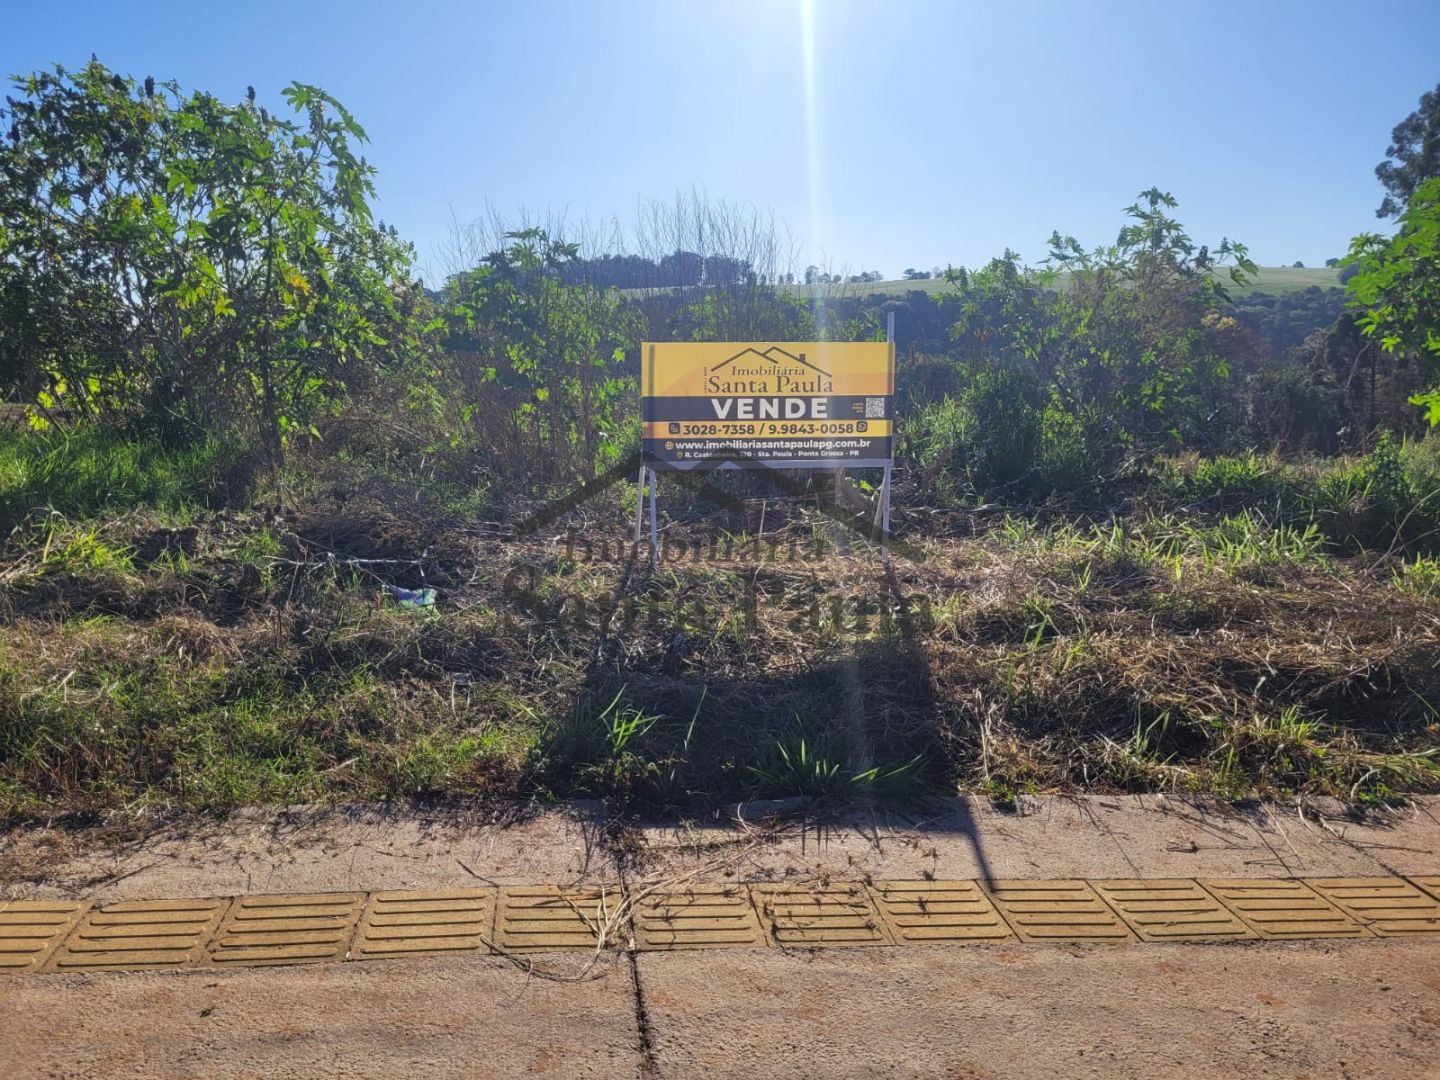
(1413, 155)
(1074, 373)
(1146, 358)
(541, 363)
(178, 262)
(1397, 283)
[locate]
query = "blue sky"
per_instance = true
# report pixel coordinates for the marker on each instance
(918, 134)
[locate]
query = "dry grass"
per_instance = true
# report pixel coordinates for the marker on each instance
(237, 658)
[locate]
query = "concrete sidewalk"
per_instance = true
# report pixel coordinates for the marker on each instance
(320, 850)
(1333, 1009)
(1365, 1008)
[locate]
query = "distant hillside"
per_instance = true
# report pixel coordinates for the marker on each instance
(1272, 280)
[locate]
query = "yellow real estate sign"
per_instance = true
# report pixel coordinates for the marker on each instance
(767, 404)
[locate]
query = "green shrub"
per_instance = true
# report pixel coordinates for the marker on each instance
(1067, 459)
(932, 440)
(1421, 459)
(1237, 482)
(1005, 427)
(1390, 488)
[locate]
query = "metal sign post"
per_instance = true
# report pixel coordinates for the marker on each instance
(639, 504)
(654, 529)
(885, 482)
(647, 474)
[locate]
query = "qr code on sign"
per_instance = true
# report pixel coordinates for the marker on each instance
(874, 408)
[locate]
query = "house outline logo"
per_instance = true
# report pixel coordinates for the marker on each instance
(768, 354)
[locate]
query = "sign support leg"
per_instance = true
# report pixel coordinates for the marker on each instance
(885, 515)
(639, 503)
(654, 521)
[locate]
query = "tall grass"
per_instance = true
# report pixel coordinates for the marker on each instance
(92, 469)
(1387, 499)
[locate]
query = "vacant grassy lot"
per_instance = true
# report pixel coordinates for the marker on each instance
(204, 658)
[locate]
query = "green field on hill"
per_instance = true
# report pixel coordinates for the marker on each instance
(1270, 280)
(1275, 280)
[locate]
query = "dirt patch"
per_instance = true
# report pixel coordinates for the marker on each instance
(317, 849)
(1008, 1011)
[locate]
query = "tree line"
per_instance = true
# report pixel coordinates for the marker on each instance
(183, 268)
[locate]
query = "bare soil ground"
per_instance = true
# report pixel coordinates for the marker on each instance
(1317, 1009)
(1266, 1009)
(358, 847)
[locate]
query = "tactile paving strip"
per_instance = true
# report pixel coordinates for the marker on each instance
(697, 917)
(1429, 884)
(1172, 910)
(1284, 909)
(72, 936)
(1045, 911)
(286, 929)
(30, 930)
(936, 912)
(424, 924)
(1388, 906)
(801, 916)
(540, 917)
(140, 934)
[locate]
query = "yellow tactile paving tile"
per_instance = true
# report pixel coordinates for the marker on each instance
(939, 912)
(803, 915)
(1388, 906)
(697, 917)
(546, 917)
(57, 935)
(1283, 908)
(1175, 909)
(30, 930)
(286, 929)
(425, 924)
(140, 934)
(1048, 911)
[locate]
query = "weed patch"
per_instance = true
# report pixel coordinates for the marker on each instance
(261, 657)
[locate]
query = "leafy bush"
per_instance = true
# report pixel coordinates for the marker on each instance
(1061, 387)
(1004, 426)
(1421, 459)
(1398, 286)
